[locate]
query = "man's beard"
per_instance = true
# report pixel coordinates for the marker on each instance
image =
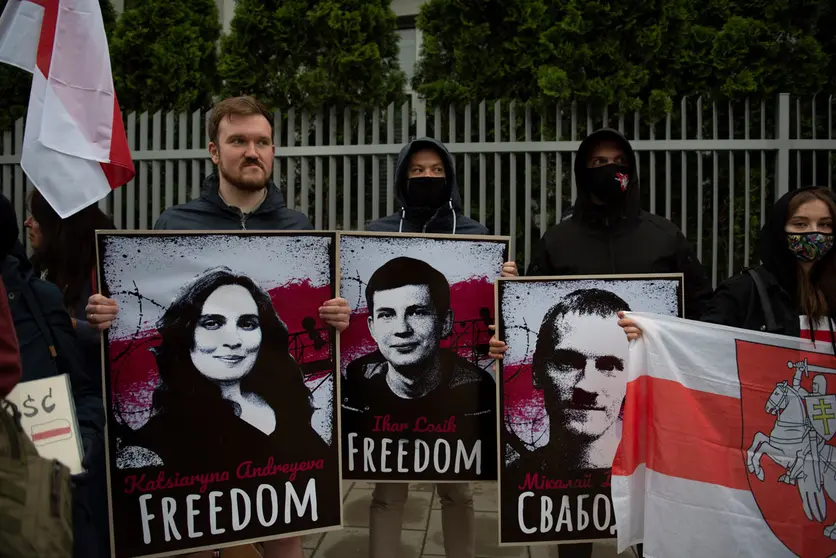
(246, 184)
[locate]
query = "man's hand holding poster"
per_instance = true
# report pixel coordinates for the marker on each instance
(418, 396)
(562, 390)
(221, 392)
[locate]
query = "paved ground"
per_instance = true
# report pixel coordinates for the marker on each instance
(422, 528)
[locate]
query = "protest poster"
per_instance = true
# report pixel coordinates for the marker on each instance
(728, 435)
(561, 399)
(47, 416)
(418, 392)
(220, 387)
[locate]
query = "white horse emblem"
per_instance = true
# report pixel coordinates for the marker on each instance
(804, 423)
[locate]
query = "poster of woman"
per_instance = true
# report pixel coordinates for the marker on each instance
(418, 397)
(562, 395)
(220, 387)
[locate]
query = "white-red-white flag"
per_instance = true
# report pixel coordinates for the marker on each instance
(75, 150)
(728, 444)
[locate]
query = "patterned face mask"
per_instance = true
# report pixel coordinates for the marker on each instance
(811, 246)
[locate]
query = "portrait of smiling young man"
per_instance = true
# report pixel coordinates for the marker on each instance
(409, 315)
(418, 386)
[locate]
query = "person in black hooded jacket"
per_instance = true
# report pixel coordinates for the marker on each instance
(609, 233)
(798, 271)
(798, 274)
(425, 182)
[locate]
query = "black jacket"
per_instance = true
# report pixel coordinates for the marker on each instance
(42, 321)
(210, 212)
(597, 241)
(736, 302)
(447, 219)
(466, 392)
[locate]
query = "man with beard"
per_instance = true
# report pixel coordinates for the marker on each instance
(578, 365)
(608, 233)
(239, 196)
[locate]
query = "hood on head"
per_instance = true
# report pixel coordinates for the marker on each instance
(584, 202)
(9, 230)
(402, 169)
(773, 249)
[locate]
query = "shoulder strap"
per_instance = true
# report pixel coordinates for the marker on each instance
(38, 316)
(766, 304)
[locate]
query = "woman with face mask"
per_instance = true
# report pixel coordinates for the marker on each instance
(229, 389)
(797, 277)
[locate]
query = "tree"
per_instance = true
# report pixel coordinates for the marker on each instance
(164, 55)
(306, 54)
(108, 16)
(15, 83)
(627, 53)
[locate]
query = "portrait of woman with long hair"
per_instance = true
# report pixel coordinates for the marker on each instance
(229, 389)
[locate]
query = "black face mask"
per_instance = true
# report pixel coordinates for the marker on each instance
(426, 192)
(608, 183)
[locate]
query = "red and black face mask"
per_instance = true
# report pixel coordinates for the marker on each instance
(608, 183)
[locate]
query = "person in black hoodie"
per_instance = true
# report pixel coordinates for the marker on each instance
(425, 182)
(608, 231)
(797, 276)
(239, 196)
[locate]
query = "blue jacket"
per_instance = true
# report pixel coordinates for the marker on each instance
(445, 219)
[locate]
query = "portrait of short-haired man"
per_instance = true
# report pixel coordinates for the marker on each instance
(578, 365)
(410, 375)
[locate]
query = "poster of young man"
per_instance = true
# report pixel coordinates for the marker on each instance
(418, 396)
(220, 389)
(561, 397)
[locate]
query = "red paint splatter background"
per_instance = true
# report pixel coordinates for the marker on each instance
(523, 406)
(467, 299)
(133, 369)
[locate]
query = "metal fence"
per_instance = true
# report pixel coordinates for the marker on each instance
(712, 168)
